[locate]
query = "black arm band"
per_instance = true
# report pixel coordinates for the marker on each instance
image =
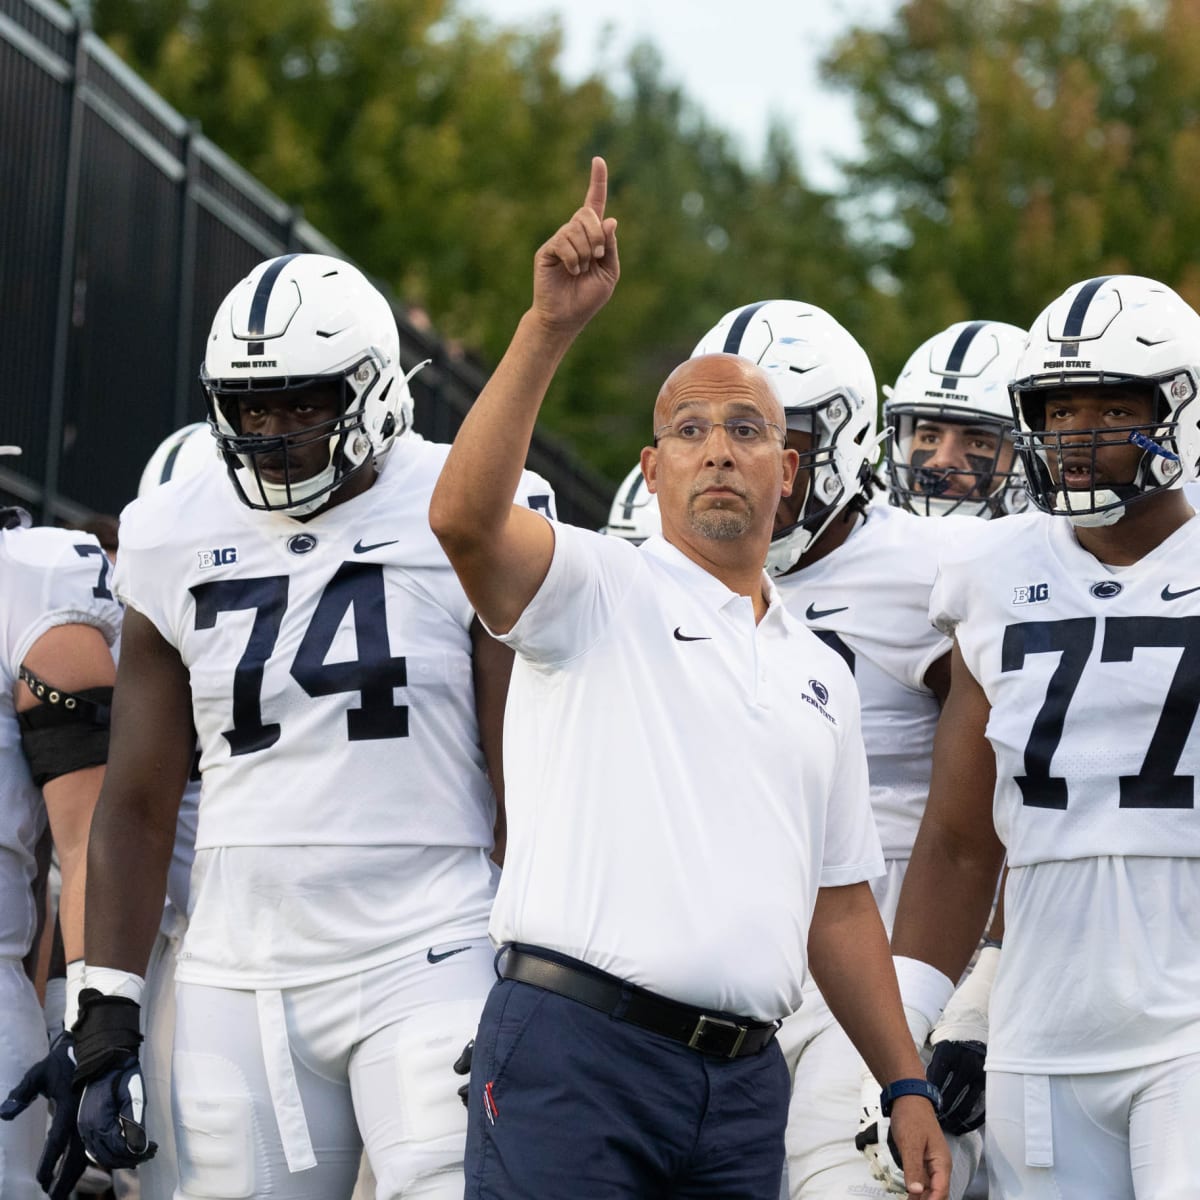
(92, 704)
(53, 749)
(107, 1032)
(66, 732)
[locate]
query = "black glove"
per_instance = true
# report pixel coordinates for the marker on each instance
(956, 1069)
(63, 1159)
(462, 1066)
(113, 1101)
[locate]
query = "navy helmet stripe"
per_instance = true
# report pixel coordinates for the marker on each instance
(1079, 306)
(631, 495)
(169, 465)
(733, 339)
(959, 352)
(262, 295)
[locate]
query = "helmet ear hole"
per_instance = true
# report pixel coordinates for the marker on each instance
(389, 426)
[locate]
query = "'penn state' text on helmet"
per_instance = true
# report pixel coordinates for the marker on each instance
(958, 377)
(1116, 330)
(825, 382)
(293, 322)
(634, 513)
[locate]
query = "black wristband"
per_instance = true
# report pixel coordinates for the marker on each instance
(106, 1034)
(909, 1087)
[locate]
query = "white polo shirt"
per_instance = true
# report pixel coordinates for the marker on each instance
(679, 780)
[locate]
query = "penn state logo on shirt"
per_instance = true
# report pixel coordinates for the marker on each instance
(301, 543)
(1106, 589)
(817, 695)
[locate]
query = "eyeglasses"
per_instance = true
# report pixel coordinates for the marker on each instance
(745, 431)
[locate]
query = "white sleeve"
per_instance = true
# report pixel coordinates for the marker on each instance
(588, 578)
(945, 606)
(535, 492)
(64, 579)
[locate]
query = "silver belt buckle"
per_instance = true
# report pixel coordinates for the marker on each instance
(704, 1022)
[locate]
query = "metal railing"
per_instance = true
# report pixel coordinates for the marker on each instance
(121, 229)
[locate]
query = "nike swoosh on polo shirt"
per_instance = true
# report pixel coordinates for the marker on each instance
(815, 614)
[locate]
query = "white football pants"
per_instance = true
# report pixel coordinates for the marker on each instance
(1120, 1135)
(270, 1089)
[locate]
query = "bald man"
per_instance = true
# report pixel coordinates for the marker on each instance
(686, 839)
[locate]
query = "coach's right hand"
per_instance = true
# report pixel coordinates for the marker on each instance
(574, 273)
(112, 1106)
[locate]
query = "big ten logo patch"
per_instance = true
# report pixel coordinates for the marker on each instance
(1035, 593)
(217, 558)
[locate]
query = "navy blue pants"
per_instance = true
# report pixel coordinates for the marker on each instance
(567, 1103)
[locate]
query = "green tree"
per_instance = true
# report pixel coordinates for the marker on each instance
(1012, 147)
(439, 151)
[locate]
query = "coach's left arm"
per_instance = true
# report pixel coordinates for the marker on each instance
(851, 961)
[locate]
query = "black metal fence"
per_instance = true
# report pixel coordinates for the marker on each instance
(121, 229)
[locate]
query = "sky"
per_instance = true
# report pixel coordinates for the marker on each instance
(742, 62)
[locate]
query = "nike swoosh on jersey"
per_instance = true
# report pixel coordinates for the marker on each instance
(1167, 594)
(437, 958)
(815, 614)
(683, 637)
(359, 548)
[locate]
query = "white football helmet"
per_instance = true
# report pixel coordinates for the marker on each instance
(634, 513)
(179, 455)
(957, 377)
(291, 322)
(1117, 329)
(824, 379)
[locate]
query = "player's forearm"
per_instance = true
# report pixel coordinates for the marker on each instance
(474, 494)
(70, 804)
(852, 965)
(71, 900)
(127, 865)
(946, 898)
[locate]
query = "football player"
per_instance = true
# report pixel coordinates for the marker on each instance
(58, 624)
(1068, 741)
(634, 513)
(290, 609)
(859, 574)
(950, 427)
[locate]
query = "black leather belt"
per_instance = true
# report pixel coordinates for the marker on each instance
(722, 1035)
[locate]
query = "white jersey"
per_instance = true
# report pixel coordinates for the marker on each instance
(345, 808)
(869, 600)
(1094, 688)
(50, 577)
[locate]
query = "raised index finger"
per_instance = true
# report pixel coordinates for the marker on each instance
(597, 194)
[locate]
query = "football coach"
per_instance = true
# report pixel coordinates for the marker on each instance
(689, 831)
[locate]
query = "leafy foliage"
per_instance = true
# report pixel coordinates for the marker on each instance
(440, 152)
(1010, 147)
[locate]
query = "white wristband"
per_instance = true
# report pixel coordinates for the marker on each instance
(923, 988)
(111, 982)
(965, 1017)
(74, 985)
